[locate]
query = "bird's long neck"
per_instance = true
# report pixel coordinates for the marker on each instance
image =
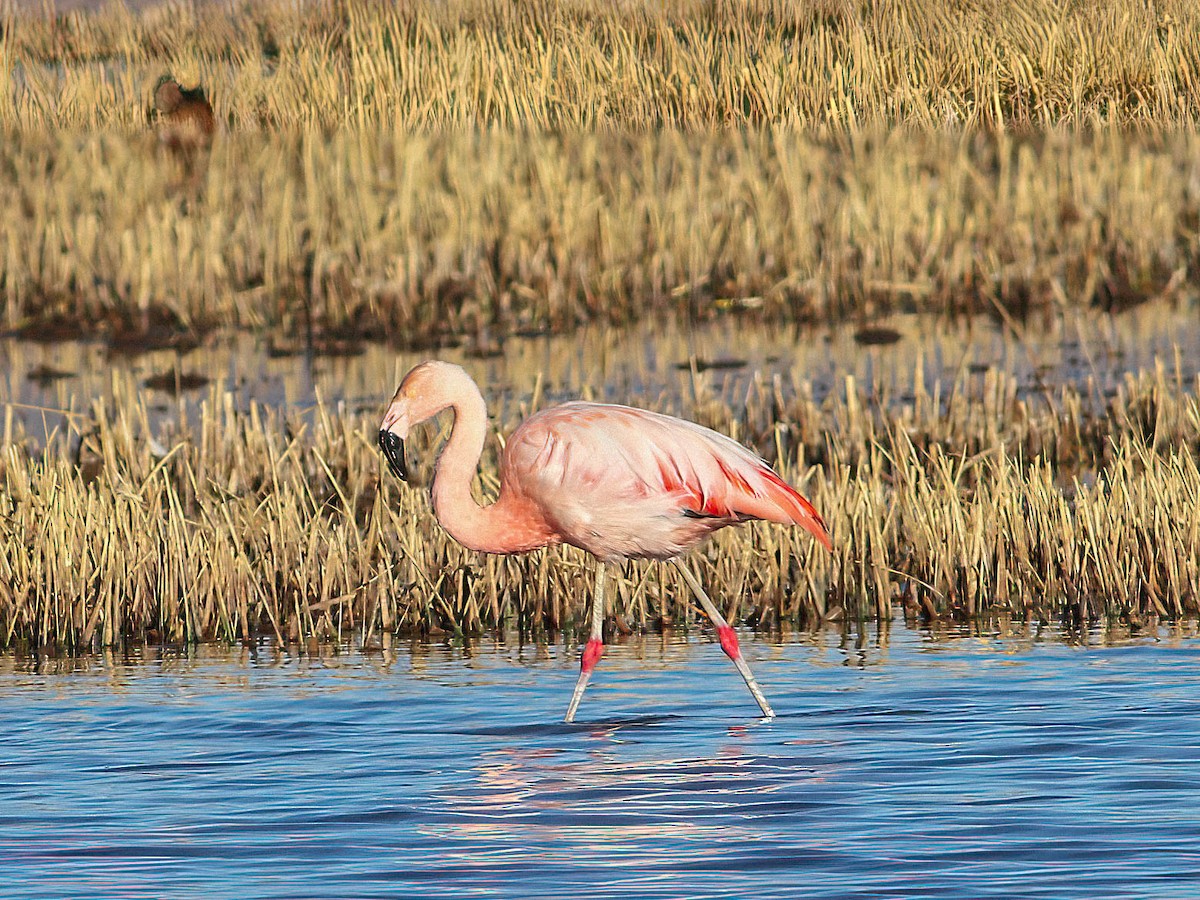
(507, 526)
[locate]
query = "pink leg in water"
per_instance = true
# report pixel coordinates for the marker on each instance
(594, 648)
(727, 637)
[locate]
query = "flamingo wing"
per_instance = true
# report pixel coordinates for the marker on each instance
(620, 481)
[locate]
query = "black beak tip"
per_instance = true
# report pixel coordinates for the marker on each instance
(393, 452)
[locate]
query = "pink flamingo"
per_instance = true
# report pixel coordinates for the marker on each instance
(615, 481)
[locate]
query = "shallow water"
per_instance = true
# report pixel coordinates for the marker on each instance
(42, 386)
(900, 766)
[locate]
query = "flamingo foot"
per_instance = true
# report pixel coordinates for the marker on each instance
(591, 655)
(728, 638)
(729, 643)
(594, 648)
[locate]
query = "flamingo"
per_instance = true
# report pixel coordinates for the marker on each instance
(619, 482)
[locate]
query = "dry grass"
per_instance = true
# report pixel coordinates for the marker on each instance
(428, 172)
(963, 501)
(425, 239)
(690, 64)
(431, 172)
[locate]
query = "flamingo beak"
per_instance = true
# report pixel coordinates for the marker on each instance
(393, 451)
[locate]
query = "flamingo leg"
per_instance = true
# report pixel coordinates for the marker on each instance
(727, 636)
(594, 648)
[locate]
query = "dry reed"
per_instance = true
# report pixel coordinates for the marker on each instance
(965, 500)
(423, 240)
(836, 64)
(418, 173)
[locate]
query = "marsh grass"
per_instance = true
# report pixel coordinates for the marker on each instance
(429, 174)
(425, 240)
(693, 64)
(956, 503)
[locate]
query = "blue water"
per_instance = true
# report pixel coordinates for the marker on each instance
(908, 767)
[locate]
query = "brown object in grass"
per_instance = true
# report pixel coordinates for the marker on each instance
(186, 121)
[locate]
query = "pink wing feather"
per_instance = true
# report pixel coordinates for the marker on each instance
(586, 462)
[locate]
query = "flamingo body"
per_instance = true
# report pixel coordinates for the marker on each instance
(615, 481)
(625, 483)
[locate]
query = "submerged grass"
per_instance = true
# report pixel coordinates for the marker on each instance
(839, 64)
(428, 239)
(979, 501)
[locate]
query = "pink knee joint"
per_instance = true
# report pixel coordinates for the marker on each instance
(729, 641)
(591, 654)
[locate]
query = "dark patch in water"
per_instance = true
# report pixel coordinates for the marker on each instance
(484, 351)
(48, 329)
(176, 382)
(876, 336)
(158, 330)
(703, 365)
(328, 347)
(46, 375)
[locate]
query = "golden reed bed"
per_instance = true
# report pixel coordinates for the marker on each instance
(691, 64)
(957, 502)
(423, 172)
(434, 173)
(422, 239)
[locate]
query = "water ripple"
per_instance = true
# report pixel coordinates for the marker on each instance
(947, 769)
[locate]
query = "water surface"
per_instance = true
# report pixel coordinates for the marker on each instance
(668, 365)
(900, 766)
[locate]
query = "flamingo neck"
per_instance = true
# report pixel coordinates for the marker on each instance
(505, 526)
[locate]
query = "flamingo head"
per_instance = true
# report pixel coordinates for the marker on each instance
(393, 431)
(424, 392)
